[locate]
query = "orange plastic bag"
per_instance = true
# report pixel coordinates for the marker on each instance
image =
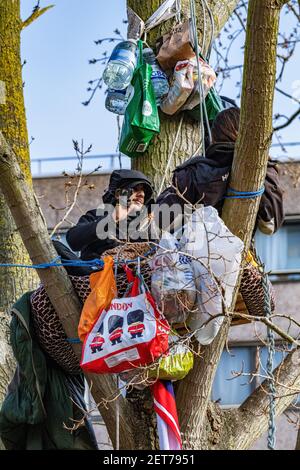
(103, 291)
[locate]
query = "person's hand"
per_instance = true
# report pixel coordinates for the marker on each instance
(120, 213)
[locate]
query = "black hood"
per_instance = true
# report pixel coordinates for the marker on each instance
(120, 179)
(222, 152)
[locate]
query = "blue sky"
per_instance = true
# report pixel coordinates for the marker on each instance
(57, 48)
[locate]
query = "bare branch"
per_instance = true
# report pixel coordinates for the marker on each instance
(288, 122)
(35, 15)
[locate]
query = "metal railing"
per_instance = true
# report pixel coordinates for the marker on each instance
(110, 162)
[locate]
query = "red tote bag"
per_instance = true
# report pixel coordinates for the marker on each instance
(129, 334)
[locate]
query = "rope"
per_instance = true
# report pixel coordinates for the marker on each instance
(234, 194)
(94, 263)
(117, 419)
(178, 8)
(171, 155)
(55, 264)
(211, 17)
(195, 37)
(270, 365)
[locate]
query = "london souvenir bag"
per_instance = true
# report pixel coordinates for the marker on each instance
(129, 333)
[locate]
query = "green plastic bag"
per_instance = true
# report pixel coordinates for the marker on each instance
(141, 121)
(213, 105)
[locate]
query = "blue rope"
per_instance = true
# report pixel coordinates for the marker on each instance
(270, 366)
(74, 340)
(58, 262)
(54, 264)
(234, 194)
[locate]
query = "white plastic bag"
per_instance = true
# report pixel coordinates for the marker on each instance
(180, 89)
(217, 255)
(208, 78)
(172, 282)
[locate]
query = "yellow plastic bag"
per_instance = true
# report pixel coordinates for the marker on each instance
(175, 366)
(103, 291)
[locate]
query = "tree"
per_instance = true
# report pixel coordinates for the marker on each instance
(203, 424)
(13, 125)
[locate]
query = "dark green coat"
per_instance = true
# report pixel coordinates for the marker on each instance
(37, 404)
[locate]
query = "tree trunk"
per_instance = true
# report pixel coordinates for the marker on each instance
(248, 174)
(32, 227)
(154, 162)
(13, 282)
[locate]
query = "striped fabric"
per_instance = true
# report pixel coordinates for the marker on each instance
(166, 413)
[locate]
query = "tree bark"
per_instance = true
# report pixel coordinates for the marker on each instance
(13, 282)
(298, 441)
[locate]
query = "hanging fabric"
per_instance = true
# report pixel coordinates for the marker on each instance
(166, 414)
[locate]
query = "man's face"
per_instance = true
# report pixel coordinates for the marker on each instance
(137, 199)
(133, 199)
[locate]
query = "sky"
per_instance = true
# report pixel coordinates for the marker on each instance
(57, 48)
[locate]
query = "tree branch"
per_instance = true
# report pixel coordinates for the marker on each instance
(243, 426)
(35, 15)
(288, 122)
(31, 225)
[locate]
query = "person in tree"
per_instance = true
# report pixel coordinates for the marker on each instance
(127, 198)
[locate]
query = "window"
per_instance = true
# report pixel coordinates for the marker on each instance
(281, 251)
(231, 390)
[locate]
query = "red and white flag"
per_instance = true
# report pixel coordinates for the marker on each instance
(166, 413)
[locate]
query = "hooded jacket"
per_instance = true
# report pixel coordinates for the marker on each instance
(205, 181)
(83, 237)
(38, 399)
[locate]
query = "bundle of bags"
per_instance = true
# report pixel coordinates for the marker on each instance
(193, 277)
(128, 335)
(202, 267)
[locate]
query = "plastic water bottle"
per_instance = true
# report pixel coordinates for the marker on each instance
(116, 101)
(119, 70)
(159, 78)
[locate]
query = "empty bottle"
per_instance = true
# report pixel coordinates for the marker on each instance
(119, 70)
(159, 78)
(116, 101)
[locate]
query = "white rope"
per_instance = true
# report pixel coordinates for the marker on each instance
(204, 25)
(178, 13)
(201, 94)
(212, 30)
(171, 156)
